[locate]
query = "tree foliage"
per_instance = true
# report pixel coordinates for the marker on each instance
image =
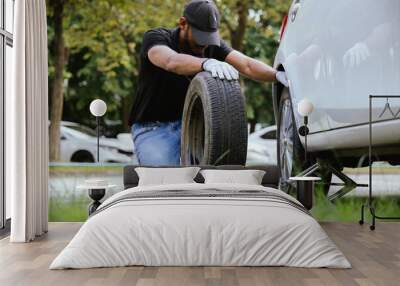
(103, 38)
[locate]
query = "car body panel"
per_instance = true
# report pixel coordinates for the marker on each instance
(337, 53)
(355, 137)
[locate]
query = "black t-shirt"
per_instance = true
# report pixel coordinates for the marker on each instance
(160, 94)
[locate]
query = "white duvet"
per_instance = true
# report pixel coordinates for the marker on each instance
(200, 231)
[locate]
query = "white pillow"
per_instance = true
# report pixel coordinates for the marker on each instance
(248, 177)
(161, 176)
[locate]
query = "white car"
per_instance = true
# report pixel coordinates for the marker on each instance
(79, 144)
(125, 139)
(261, 147)
(336, 54)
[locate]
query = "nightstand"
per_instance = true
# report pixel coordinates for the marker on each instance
(305, 190)
(96, 191)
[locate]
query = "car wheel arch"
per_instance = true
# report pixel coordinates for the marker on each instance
(277, 89)
(81, 152)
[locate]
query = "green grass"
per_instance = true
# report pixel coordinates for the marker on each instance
(74, 209)
(86, 169)
(344, 210)
(66, 205)
(68, 211)
(349, 209)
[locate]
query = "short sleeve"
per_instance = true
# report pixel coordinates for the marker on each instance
(152, 38)
(221, 52)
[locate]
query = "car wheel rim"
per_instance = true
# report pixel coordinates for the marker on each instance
(286, 142)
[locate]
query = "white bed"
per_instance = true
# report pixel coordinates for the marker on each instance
(185, 230)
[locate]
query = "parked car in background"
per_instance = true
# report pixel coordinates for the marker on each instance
(112, 128)
(125, 139)
(261, 147)
(79, 144)
(336, 54)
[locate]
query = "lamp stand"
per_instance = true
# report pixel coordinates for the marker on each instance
(98, 137)
(303, 130)
(305, 138)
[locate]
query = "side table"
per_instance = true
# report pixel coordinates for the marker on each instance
(305, 190)
(96, 191)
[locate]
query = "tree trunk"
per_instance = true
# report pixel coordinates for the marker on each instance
(237, 35)
(57, 95)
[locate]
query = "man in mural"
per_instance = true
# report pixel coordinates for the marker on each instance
(169, 59)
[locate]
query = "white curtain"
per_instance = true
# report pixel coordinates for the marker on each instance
(27, 124)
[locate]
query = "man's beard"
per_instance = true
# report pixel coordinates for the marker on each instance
(186, 49)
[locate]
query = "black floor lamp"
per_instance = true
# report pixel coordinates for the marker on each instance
(305, 184)
(305, 108)
(98, 108)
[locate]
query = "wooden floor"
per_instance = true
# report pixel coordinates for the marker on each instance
(375, 257)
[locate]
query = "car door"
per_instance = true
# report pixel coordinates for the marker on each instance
(338, 53)
(303, 57)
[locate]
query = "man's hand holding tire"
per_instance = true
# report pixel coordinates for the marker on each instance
(220, 69)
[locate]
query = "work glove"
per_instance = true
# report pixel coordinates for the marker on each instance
(355, 55)
(220, 69)
(281, 77)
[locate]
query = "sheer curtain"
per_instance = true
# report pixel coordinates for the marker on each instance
(27, 124)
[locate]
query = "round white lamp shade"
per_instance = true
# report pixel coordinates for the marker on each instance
(305, 107)
(98, 107)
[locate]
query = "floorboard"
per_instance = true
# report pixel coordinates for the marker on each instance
(374, 255)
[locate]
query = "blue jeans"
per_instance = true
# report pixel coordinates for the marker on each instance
(157, 143)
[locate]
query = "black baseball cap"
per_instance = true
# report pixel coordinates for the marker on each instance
(204, 18)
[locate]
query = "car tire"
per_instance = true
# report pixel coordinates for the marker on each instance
(82, 156)
(214, 123)
(290, 152)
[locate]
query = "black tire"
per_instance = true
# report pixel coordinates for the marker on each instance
(82, 156)
(214, 123)
(289, 149)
